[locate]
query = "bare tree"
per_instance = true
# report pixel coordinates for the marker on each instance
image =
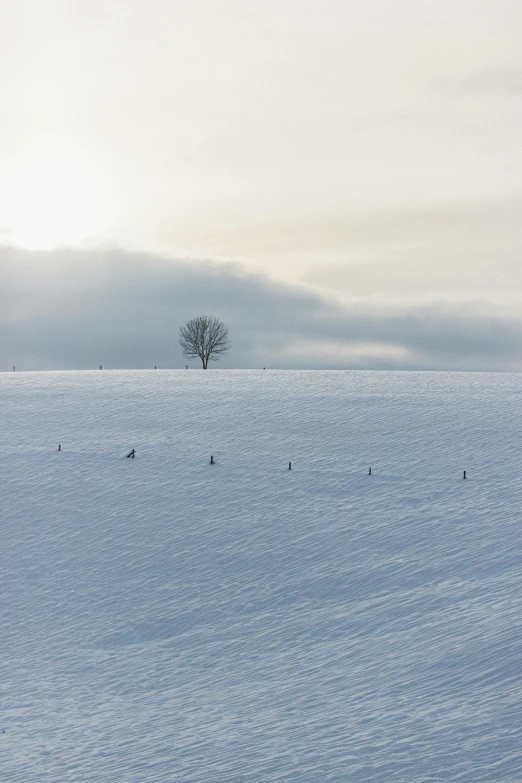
(205, 337)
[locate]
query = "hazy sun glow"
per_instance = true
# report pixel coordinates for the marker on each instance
(49, 203)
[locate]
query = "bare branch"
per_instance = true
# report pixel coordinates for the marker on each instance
(204, 337)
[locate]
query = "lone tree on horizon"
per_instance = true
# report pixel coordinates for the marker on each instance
(204, 337)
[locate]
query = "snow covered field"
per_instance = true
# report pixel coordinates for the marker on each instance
(164, 620)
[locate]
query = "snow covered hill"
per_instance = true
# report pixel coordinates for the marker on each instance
(164, 619)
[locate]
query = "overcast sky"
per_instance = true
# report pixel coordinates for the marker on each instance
(352, 170)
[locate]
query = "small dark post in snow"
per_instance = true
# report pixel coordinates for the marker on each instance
(131, 453)
(369, 471)
(464, 476)
(186, 367)
(212, 460)
(14, 368)
(289, 466)
(59, 447)
(155, 367)
(101, 368)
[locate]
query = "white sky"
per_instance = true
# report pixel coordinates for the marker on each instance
(371, 149)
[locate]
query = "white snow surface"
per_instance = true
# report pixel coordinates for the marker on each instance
(163, 619)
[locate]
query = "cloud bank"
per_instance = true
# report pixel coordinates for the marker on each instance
(77, 309)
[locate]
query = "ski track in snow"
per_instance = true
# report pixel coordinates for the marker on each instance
(167, 620)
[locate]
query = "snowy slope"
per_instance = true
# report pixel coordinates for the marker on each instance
(167, 620)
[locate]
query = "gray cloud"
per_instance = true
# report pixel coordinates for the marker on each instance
(73, 309)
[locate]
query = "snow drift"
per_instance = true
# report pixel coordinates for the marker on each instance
(164, 619)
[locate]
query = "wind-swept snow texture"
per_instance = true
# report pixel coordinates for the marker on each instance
(164, 619)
